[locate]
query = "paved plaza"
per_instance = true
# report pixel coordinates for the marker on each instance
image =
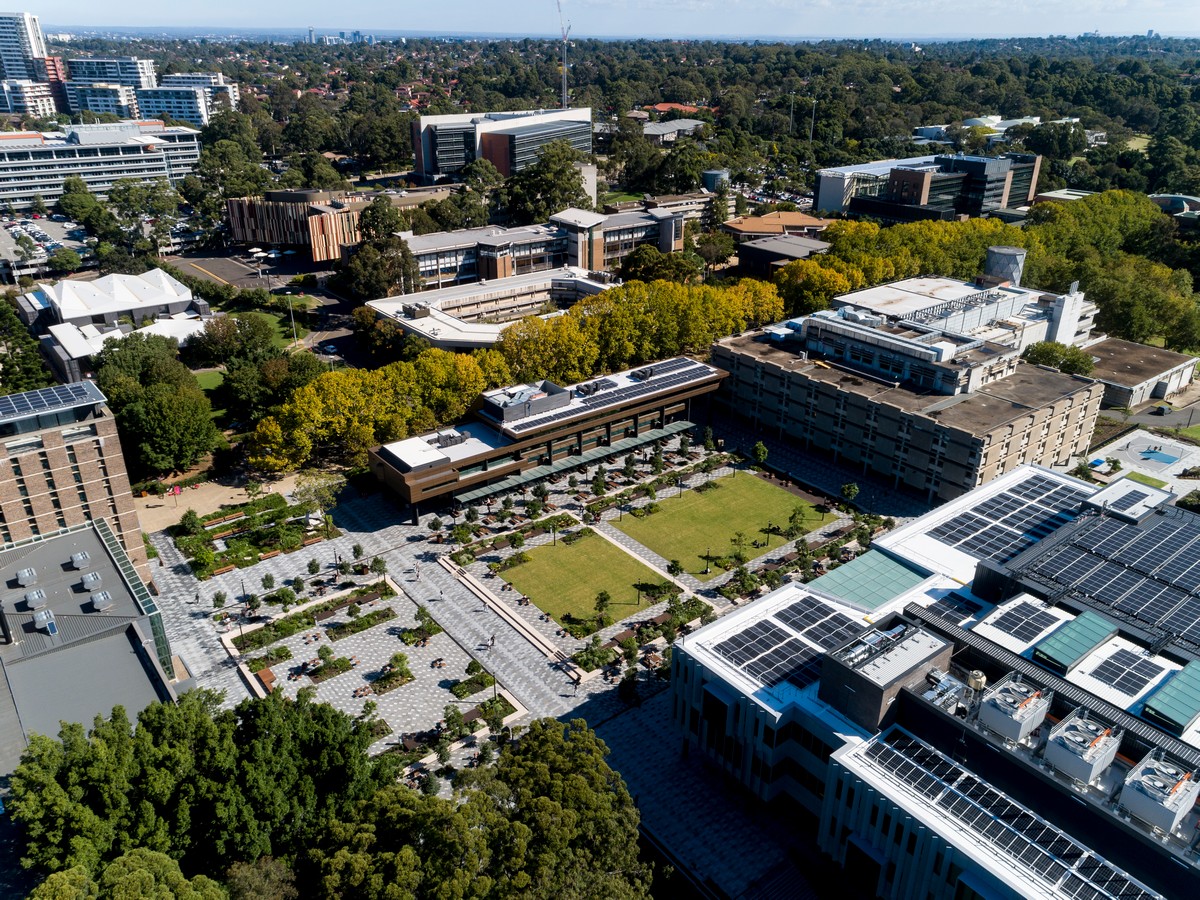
(1156, 456)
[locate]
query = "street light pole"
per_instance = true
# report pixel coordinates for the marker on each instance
(813, 123)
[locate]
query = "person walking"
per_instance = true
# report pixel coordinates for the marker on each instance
(492, 642)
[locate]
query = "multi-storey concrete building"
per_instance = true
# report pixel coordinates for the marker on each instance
(62, 466)
(53, 71)
(959, 713)
(182, 104)
(127, 70)
(444, 145)
(929, 187)
(34, 164)
(21, 42)
(220, 91)
(529, 432)
(27, 98)
(102, 97)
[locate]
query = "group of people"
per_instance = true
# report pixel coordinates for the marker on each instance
(438, 663)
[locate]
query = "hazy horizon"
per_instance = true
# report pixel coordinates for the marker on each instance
(657, 19)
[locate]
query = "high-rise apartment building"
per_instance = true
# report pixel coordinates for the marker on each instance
(101, 97)
(21, 42)
(27, 98)
(61, 466)
(216, 86)
(130, 70)
(182, 104)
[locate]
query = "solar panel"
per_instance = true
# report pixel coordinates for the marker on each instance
(953, 608)
(751, 642)
(782, 663)
(803, 614)
(1031, 842)
(834, 631)
(1130, 500)
(61, 396)
(1127, 671)
(1025, 621)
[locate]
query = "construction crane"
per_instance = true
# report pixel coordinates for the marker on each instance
(566, 32)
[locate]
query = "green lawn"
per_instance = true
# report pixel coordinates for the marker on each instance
(619, 197)
(564, 578)
(1145, 479)
(689, 526)
(209, 382)
(1139, 142)
(283, 325)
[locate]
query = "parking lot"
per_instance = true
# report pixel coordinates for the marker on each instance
(47, 233)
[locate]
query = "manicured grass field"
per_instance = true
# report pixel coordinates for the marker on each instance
(619, 197)
(209, 382)
(283, 325)
(566, 578)
(1145, 479)
(689, 526)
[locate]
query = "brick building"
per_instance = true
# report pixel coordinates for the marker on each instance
(62, 466)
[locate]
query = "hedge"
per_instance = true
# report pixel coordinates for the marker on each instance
(345, 629)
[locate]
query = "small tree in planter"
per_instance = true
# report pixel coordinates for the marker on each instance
(357, 551)
(298, 585)
(325, 653)
(759, 453)
(313, 567)
(507, 502)
(541, 491)
(354, 610)
(685, 445)
(516, 540)
(253, 603)
(378, 566)
(343, 567)
(435, 524)
(268, 581)
(219, 599)
(472, 514)
(572, 482)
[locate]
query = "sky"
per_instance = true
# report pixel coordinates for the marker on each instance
(899, 19)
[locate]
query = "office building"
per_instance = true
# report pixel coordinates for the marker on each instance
(108, 300)
(666, 133)
(127, 70)
(79, 634)
(101, 98)
(27, 98)
(763, 257)
(959, 713)
(219, 90)
(1134, 374)
(21, 42)
(473, 316)
(528, 432)
(920, 382)
(180, 104)
(62, 466)
(943, 188)
(444, 145)
(34, 164)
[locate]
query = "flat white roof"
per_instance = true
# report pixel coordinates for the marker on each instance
(114, 294)
(915, 543)
(415, 452)
(900, 299)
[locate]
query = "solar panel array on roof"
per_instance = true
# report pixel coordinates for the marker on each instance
(1127, 671)
(1025, 621)
(1012, 521)
(61, 396)
(771, 653)
(1150, 573)
(1130, 500)
(953, 608)
(1031, 842)
(670, 373)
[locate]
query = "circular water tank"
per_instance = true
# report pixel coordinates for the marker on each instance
(1005, 263)
(976, 681)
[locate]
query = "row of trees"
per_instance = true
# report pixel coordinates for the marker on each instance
(279, 793)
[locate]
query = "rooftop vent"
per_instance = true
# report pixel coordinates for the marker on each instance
(44, 619)
(80, 559)
(1159, 792)
(35, 599)
(101, 601)
(26, 577)
(1081, 748)
(91, 581)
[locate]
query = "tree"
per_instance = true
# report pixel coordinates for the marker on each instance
(264, 879)
(268, 581)
(64, 261)
(314, 566)
(1070, 360)
(675, 568)
(850, 491)
(24, 367)
(379, 566)
(807, 286)
(38, 205)
(317, 491)
(549, 186)
(603, 602)
(379, 220)
(714, 248)
(357, 551)
(138, 873)
(759, 453)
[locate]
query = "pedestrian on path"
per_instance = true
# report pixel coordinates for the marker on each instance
(575, 692)
(492, 642)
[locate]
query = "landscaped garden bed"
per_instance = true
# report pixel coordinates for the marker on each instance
(330, 668)
(342, 630)
(272, 657)
(395, 674)
(478, 681)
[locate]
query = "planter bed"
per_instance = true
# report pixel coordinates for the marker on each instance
(389, 682)
(331, 669)
(271, 658)
(473, 685)
(362, 623)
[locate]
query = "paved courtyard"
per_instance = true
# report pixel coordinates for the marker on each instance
(1156, 456)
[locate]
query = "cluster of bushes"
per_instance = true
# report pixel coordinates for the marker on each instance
(642, 511)
(511, 562)
(594, 655)
(266, 524)
(576, 536)
(395, 674)
(330, 668)
(478, 679)
(651, 488)
(359, 623)
(275, 631)
(159, 487)
(272, 657)
(426, 628)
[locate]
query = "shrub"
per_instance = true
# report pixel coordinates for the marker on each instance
(268, 581)
(362, 623)
(313, 567)
(273, 657)
(593, 656)
(472, 685)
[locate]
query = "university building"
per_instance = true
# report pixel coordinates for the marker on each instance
(1000, 699)
(445, 145)
(62, 467)
(528, 432)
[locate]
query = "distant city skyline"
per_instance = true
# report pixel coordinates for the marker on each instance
(929, 19)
